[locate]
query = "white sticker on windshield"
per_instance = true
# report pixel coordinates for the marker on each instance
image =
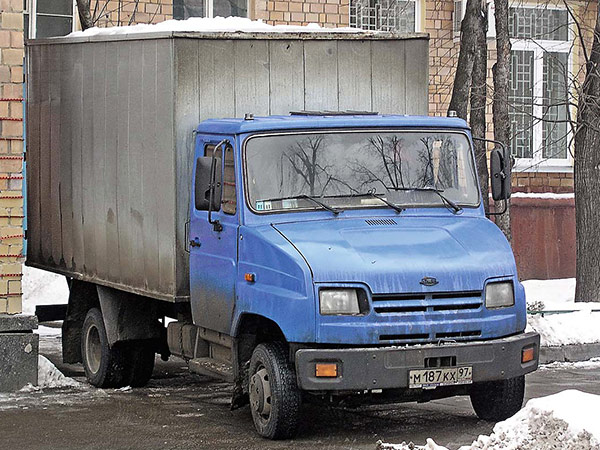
(289, 203)
(267, 206)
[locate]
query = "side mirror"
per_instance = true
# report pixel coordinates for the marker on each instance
(500, 168)
(208, 183)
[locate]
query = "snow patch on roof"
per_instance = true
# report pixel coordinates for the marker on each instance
(544, 195)
(213, 25)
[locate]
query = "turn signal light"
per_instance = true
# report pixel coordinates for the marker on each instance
(326, 370)
(250, 277)
(527, 355)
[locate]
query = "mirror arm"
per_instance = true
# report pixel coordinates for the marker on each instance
(215, 223)
(498, 213)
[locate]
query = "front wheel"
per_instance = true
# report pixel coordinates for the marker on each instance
(498, 400)
(274, 395)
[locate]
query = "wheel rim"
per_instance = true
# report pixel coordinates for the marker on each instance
(93, 349)
(260, 393)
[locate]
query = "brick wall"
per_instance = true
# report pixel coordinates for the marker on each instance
(11, 154)
(145, 11)
(328, 13)
(443, 55)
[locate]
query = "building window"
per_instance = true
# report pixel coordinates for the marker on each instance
(48, 18)
(539, 95)
(384, 15)
(184, 9)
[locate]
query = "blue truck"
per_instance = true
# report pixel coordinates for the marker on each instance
(304, 257)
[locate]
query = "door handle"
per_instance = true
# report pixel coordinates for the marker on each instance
(195, 243)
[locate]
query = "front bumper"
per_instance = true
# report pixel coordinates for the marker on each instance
(362, 369)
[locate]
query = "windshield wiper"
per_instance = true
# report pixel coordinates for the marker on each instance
(445, 199)
(396, 208)
(307, 197)
(320, 203)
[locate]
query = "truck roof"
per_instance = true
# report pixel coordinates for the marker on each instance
(324, 121)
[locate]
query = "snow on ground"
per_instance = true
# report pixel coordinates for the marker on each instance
(578, 327)
(593, 363)
(49, 377)
(567, 421)
(42, 288)
(214, 25)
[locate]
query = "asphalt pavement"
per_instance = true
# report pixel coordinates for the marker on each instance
(179, 410)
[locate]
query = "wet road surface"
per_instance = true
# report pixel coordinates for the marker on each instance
(178, 410)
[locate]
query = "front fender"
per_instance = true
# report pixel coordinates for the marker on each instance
(282, 290)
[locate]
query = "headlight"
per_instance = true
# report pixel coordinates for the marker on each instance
(339, 301)
(499, 295)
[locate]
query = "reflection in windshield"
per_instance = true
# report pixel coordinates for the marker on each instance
(341, 167)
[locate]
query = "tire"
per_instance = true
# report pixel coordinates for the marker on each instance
(124, 364)
(274, 395)
(142, 357)
(104, 366)
(498, 400)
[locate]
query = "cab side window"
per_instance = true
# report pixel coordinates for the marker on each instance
(228, 199)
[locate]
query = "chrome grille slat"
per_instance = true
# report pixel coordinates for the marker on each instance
(425, 303)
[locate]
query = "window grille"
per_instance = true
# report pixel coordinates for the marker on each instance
(383, 15)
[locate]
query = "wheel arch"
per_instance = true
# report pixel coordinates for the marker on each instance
(250, 330)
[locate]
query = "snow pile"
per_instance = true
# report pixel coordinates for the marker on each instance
(576, 327)
(555, 295)
(567, 421)
(579, 327)
(42, 288)
(49, 377)
(214, 25)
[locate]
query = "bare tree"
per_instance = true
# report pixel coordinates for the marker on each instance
(464, 70)
(479, 98)
(111, 13)
(501, 76)
(587, 177)
(85, 17)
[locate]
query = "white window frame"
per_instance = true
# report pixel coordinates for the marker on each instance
(419, 25)
(31, 9)
(539, 47)
(209, 6)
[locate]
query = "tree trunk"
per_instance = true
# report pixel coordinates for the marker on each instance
(478, 99)
(587, 179)
(85, 17)
(462, 78)
(501, 74)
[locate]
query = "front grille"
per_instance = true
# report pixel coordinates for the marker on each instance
(424, 303)
(403, 337)
(458, 334)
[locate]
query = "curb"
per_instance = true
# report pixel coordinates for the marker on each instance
(569, 353)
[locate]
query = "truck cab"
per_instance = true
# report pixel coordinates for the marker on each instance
(350, 255)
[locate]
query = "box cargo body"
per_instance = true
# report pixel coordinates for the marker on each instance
(110, 123)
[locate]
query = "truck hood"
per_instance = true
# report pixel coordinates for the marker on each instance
(393, 255)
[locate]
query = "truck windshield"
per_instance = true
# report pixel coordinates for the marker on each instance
(340, 168)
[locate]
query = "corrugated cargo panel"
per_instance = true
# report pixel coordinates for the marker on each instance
(110, 122)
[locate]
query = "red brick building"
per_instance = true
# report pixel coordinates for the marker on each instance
(546, 61)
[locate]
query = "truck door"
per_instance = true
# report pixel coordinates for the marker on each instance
(213, 253)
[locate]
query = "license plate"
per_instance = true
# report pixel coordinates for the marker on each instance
(432, 378)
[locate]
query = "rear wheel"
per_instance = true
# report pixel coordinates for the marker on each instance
(274, 395)
(498, 400)
(125, 363)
